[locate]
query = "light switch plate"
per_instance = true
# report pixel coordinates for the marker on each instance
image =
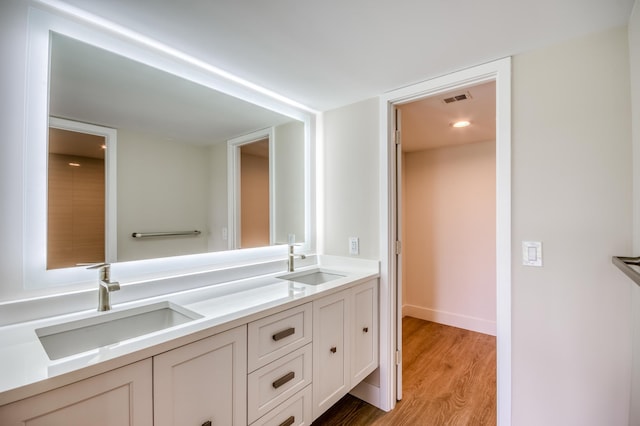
(532, 253)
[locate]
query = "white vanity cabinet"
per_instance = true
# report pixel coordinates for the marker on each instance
(280, 368)
(345, 342)
(364, 331)
(204, 381)
(284, 368)
(119, 397)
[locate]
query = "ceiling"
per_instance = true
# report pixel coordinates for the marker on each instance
(66, 142)
(327, 54)
(426, 123)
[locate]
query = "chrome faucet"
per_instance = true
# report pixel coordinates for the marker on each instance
(292, 257)
(105, 286)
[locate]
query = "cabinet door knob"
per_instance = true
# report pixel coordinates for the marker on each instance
(333, 349)
(365, 329)
(284, 379)
(207, 423)
(291, 420)
(284, 333)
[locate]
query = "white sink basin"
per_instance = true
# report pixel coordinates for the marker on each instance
(74, 337)
(312, 277)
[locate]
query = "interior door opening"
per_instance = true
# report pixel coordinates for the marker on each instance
(446, 222)
(391, 294)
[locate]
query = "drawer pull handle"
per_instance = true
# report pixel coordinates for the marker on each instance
(365, 330)
(207, 423)
(291, 420)
(333, 349)
(284, 333)
(284, 379)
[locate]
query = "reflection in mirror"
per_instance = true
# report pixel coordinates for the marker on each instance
(270, 162)
(254, 194)
(76, 199)
(172, 151)
(79, 196)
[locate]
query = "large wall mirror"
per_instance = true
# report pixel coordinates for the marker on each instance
(173, 187)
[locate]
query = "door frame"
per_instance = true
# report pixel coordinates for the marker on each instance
(500, 72)
(234, 206)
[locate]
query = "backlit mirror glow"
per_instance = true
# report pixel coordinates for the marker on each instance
(172, 156)
(202, 109)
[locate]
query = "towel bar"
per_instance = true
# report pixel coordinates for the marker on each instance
(164, 234)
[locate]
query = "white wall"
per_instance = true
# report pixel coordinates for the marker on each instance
(351, 179)
(13, 24)
(634, 59)
(218, 201)
(162, 187)
(571, 189)
(449, 235)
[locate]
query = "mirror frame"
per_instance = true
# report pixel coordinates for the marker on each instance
(76, 23)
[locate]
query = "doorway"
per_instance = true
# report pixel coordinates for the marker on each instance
(76, 205)
(251, 186)
(446, 208)
(446, 200)
(390, 293)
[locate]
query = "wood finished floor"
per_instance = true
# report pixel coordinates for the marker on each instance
(449, 379)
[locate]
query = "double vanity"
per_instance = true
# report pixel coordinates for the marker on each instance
(200, 332)
(274, 349)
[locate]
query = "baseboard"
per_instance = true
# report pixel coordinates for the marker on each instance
(466, 322)
(367, 392)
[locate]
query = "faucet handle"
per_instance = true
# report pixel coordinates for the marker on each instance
(104, 271)
(94, 265)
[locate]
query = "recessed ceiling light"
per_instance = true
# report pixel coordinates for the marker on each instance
(74, 164)
(461, 123)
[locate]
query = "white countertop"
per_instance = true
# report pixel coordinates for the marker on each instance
(26, 370)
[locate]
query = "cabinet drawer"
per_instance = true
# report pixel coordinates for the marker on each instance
(296, 411)
(272, 384)
(276, 335)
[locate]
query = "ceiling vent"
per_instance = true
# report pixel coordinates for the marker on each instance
(456, 98)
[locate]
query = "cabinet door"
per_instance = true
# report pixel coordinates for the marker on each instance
(330, 351)
(364, 344)
(118, 398)
(202, 381)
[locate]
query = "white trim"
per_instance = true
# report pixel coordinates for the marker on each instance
(479, 325)
(367, 392)
(500, 71)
